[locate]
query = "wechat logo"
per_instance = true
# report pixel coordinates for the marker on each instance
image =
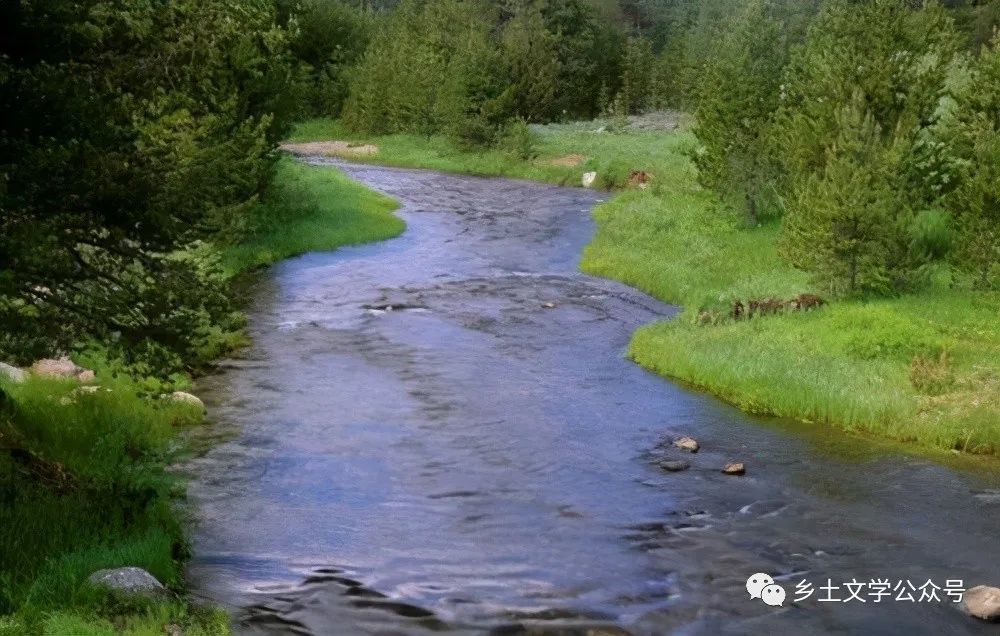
(762, 586)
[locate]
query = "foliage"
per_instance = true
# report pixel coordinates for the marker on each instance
(737, 98)
(116, 157)
(638, 75)
(858, 97)
(843, 221)
(328, 37)
(83, 487)
(971, 133)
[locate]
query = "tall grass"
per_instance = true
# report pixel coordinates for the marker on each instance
(83, 486)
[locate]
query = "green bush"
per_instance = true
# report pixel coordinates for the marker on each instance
(519, 141)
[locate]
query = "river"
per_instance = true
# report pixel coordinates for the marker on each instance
(440, 433)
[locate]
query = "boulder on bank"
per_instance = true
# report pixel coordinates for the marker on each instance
(12, 373)
(130, 581)
(187, 398)
(982, 602)
(589, 179)
(62, 368)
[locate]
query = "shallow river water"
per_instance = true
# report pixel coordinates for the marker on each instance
(481, 458)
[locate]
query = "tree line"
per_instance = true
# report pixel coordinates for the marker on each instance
(135, 133)
(874, 137)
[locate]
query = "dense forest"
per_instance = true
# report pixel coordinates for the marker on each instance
(133, 133)
(139, 141)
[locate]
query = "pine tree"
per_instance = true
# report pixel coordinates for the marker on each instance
(843, 224)
(973, 136)
(737, 97)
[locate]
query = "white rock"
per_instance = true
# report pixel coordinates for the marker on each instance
(589, 178)
(130, 580)
(181, 396)
(12, 373)
(689, 444)
(983, 602)
(52, 368)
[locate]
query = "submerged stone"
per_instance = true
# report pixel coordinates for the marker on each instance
(674, 466)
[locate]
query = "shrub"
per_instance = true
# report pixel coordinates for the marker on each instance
(519, 141)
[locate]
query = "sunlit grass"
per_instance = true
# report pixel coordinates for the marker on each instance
(311, 209)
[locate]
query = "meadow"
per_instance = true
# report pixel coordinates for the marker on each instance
(921, 368)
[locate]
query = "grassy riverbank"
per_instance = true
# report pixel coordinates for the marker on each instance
(311, 209)
(870, 367)
(85, 481)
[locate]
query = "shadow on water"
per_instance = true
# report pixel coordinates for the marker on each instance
(440, 433)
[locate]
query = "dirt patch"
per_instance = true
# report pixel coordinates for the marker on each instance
(569, 161)
(344, 149)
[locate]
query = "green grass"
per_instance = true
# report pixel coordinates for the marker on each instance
(611, 156)
(84, 486)
(310, 209)
(847, 366)
(84, 483)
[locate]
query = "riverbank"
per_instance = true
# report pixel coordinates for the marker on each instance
(85, 480)
(923, 369)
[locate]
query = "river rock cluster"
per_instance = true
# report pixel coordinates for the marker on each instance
(690, 445)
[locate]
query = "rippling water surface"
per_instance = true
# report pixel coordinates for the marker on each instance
(440, 433)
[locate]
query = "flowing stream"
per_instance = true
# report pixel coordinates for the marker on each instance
(440, 433)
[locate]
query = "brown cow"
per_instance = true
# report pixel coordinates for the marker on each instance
(806, 302)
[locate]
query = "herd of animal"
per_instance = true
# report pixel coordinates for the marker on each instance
(752, 308)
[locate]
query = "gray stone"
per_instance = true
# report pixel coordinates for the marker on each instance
(689, 444)
(12, 373)
(589, 178)
(674, 466)
(982, 602)
(735, 468)
(131, 581)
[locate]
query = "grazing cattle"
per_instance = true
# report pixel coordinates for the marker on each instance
(806, 302)
(739, 310)
(639, 178)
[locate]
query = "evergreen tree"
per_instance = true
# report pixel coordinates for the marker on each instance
(890, 62)
(843, 228)
(638, 73)
(736, 100)
(973, 138)
(531, 56)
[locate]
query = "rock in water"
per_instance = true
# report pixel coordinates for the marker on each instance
(187, 398)
(689, 444)
(735, 468)
(131, 581)
(589, 179)
(12, 373)
(983, 602)
(674, 466)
